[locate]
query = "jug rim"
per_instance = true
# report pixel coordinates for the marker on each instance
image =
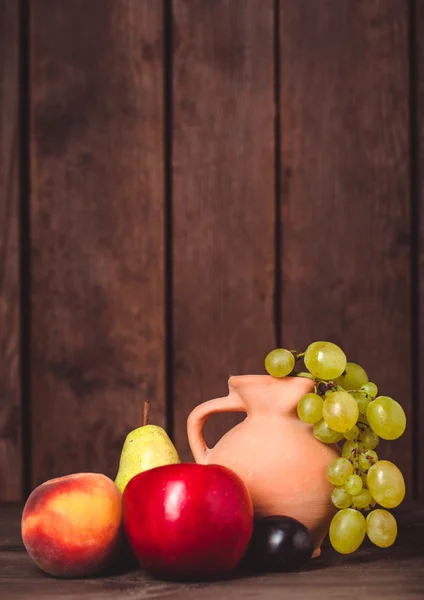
(236, 381)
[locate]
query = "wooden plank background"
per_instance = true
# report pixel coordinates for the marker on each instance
(10, 403)
(97, 215)
(417, 222)
(207, 179)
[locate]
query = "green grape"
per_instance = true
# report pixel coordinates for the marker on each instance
(325, 360)
(381, 528)
(347, 530)
(324, 434)
(340, 498)
(362, 400)
(353, 433)
(370, 388)
(339, 470)
(386, 417)
(340, 411)
(349, 449)
(367, 459)
(279, 362)
(362, 499)
(368, 440)
(309, 408)
(353, 378)
(353, 485)
(364, 480)
(386, 484)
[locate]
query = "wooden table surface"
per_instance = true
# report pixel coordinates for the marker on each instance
(395, 573)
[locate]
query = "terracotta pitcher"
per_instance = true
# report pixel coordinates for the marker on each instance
(272, 450)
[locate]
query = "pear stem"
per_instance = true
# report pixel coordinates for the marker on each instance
(146, 412)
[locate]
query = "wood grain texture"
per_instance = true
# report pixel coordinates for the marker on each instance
(345, 193)
(223, 200)
(418, 186)
(97, 229)
(382, 574)
(10, 405)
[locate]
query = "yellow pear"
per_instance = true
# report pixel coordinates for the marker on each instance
(144, 448)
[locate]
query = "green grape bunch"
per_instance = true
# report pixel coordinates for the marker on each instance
(345, 405)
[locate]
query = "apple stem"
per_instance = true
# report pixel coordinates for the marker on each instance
(146, 412)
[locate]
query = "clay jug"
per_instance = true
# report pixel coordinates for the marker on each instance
(272, 450)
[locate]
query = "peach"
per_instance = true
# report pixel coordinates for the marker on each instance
(71, 526)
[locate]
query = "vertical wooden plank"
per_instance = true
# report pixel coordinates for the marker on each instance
(10, 406)
(345, 199)
(223, 199)
(418, 186)
(97, 229)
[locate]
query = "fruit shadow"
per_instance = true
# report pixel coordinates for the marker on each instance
(242, 571)
(233, 575)
(367, 554)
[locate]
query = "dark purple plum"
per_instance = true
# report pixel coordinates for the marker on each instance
(279, 544)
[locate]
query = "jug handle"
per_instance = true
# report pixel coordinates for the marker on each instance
(198, 418)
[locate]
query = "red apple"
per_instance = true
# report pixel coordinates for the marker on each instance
(188, 521)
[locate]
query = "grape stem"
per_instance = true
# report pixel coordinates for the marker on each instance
(302, 374)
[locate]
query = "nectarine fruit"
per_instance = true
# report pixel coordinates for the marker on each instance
(71, 526)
